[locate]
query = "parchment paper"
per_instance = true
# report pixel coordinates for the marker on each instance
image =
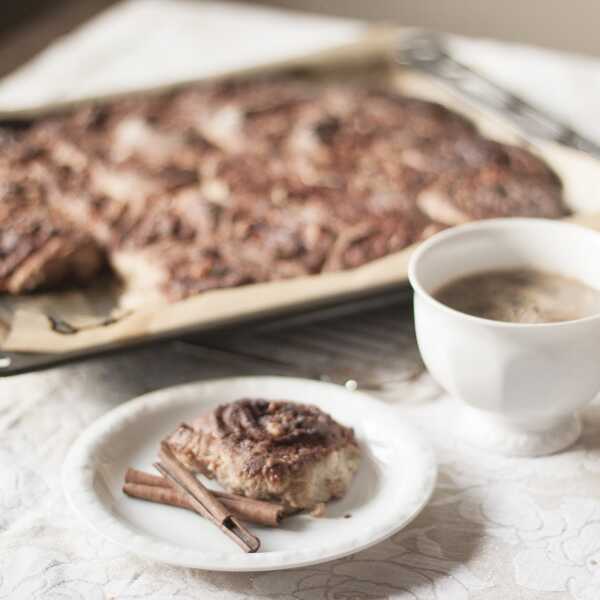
(77, 320)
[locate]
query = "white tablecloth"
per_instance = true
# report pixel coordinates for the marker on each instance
(495, 529)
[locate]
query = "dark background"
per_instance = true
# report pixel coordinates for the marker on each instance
(28, 26)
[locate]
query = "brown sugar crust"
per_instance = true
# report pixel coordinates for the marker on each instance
(490, 192)
(271, 449)
(280, 435)
(38, 247)
(238, 182)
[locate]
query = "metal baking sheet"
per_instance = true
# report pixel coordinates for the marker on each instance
(41, 330)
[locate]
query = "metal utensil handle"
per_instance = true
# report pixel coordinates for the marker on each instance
(426, 52)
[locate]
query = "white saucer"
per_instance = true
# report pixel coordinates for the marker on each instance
(394, 482)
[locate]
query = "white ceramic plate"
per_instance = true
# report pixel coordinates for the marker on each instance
(393, 484)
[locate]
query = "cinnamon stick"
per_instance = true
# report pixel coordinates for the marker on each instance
(202, 501)
(154, 493)
(143, 478)
(155, 488)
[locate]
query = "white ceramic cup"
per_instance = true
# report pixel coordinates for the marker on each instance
(521, 384)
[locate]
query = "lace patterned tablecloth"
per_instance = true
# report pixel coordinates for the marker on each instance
(495, 529)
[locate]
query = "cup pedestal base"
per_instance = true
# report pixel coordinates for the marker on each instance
(496, 434)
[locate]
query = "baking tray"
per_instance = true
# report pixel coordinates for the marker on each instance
(42, 330)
